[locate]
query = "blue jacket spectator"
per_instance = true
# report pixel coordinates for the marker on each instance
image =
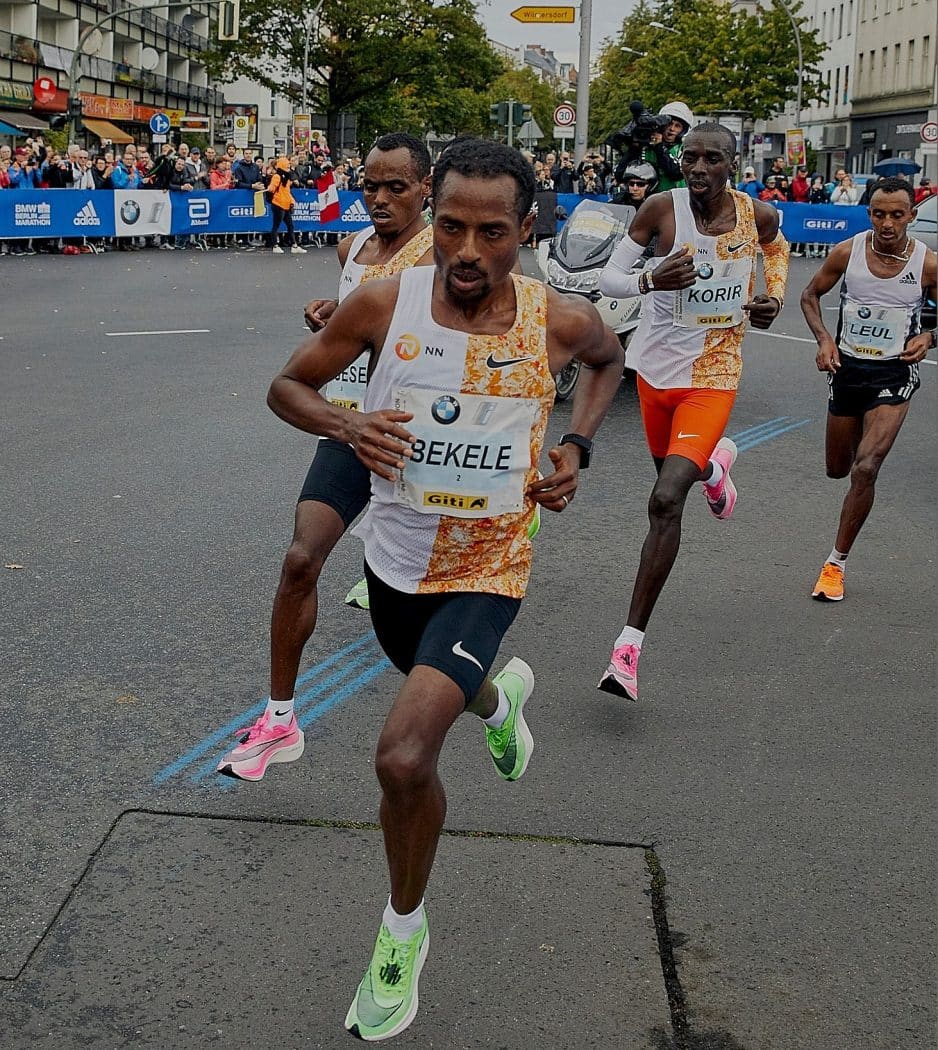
(125, 175)
(245, 173)
(750, 184)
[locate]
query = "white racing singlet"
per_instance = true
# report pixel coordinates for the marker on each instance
(693, 338)
(879, 314)
(457, 520)
(348, 388)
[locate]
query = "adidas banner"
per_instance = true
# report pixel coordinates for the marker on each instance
(56, 213)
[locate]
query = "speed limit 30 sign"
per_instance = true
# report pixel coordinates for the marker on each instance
(565, 116)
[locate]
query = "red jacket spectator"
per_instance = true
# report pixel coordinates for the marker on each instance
(800, 190)
(220, 176)
(925, 190)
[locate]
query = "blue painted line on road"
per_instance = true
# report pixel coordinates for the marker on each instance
(230, 728)
(759, 438)
(377, 660)
(769, 424)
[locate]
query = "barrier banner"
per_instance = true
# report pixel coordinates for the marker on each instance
(238, 211)
(56, 213)
(140, 213)
(821, 223)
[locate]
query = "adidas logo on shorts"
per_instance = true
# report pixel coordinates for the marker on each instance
(356, 212)
(885, 392)
(907, 278)
(87, 216)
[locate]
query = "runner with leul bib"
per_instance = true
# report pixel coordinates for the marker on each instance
(687, 350)
(457, 406)
(872, 362)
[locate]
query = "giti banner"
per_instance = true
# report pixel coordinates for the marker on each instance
(821, 223)
(56, 213)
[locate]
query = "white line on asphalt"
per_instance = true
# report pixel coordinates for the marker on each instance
(167, 331)
(801, 339)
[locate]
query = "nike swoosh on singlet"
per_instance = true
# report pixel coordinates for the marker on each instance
(736, 247)
(459, 651)
(492, 363)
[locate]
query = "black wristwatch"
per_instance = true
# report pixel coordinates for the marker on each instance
(584, 444)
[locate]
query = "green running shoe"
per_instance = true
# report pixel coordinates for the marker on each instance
(357, 597)
(386, 1001)
(535, 527)
(512, 744)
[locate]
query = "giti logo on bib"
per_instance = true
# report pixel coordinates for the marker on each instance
(407, 347)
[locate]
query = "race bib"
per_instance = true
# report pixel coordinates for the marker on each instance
(347, 390)
(716, 299)
(471, 456)
(873, 331)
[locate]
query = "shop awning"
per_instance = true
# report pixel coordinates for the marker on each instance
(8, 129)
(22, 121)
(104, 129)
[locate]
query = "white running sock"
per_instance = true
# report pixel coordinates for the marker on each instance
(279, 712)
(497, 719)
(630, 636)
(403, 927)
(836, 558)
(716, 477)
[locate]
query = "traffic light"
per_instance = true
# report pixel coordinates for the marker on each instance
(520, 113)
(59, 121)
(498, 113)
(74, 112)
(229, 19)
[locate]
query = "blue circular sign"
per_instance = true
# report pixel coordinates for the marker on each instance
(159, 123)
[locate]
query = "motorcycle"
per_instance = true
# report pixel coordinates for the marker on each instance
(572, 261)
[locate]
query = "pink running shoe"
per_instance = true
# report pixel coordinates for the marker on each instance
(260, 745)
(621, 677)
(721, 498)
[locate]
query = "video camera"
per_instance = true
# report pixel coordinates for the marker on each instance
(639, 132)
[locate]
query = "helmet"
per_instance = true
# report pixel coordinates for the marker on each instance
(678, 111)
(641, 170)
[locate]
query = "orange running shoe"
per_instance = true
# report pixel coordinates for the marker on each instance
(830, 584)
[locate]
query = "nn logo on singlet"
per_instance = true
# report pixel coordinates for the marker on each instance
(453, 501)
(407, 347)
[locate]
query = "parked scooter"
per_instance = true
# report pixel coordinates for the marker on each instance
(572, 261)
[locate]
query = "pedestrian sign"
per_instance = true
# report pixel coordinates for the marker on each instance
(159, 123)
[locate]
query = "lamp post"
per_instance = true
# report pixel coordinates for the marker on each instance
(309, 29)
(632, 51)
(667, 29)
(583, 83)
(797, 31)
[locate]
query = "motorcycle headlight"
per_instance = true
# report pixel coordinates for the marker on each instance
(560, 278)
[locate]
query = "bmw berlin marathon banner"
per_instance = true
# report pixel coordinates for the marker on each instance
(143, 213)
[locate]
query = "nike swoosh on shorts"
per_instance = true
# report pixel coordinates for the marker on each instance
(459, 651)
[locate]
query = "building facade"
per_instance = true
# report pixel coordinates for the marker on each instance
(143, 61)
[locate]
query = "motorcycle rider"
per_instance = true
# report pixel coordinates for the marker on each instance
(638, 184)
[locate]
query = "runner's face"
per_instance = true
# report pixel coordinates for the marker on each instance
(476, 234)
(393, 193)
(705, 165)
(890, 214)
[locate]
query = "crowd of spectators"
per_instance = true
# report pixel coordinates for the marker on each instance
(177, 169)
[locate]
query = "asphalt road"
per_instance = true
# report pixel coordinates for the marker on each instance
(765, 816)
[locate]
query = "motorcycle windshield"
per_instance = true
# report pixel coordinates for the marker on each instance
(591, 233)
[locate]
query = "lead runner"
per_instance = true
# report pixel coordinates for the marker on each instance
(465, 358)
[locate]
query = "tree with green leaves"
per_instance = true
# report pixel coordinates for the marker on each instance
(718, 58)
(399, 65)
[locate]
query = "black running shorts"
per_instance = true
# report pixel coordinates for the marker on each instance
(859, 386)
(457, 633)
(338, 478)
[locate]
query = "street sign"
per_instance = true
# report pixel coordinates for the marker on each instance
(544, 14)
(44, 90)
(240, 129)
(565, 115)
(929, 131)
(159, 124)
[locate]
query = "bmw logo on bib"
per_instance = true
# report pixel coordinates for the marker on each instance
(445, 409)
(864, 312)
(705, 271)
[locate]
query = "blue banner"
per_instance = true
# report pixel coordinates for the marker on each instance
(103, 213)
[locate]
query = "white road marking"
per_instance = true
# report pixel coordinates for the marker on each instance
(801, 339)
(167, 331)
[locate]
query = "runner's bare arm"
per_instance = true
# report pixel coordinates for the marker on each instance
(576, 330)
(763, 309)
(832, 270)
(919, 345)
(318, 311)
(359, 323)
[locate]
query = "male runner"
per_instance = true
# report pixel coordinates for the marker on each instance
(452, 429)
(872, 362)
(686, 350)
(395, 185)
